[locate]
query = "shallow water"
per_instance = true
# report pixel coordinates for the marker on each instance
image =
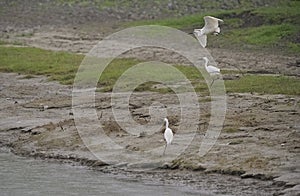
(26, 176)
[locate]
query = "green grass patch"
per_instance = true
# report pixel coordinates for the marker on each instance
(25, 34)
(231, 71)
(16, 43)
(60, 66)
(284, 12)
(117, 67)
(2, 42)
(113, 71)
(187, 22)
(265, 84)
(294, 47)
(264, 35)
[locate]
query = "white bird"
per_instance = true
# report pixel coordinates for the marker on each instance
(212, 70)
(211, 26)
(168, 135)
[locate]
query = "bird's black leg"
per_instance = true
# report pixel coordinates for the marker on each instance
(165, 149)
(212, 82)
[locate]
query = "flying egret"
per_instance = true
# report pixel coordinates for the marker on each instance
(212, 70)
(168, 135)
(211, 26)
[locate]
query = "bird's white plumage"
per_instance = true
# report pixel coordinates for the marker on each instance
(211, 26)
(212, 70)
(202, 38)
(168, 134)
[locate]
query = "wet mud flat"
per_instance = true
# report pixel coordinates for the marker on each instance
(257, 150)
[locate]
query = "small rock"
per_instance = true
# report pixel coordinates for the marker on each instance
(166, 166)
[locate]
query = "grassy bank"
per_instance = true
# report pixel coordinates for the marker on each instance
(275, 27)
(62, 66)
(265, 84)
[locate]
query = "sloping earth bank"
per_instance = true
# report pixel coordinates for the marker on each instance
(260, 138)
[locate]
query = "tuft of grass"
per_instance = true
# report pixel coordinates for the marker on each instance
(150, 86)
(28, 77)
(231, 130)
(25, 34)
(257, 162)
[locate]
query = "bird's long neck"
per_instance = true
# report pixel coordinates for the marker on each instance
(167, 123)
(206, 62)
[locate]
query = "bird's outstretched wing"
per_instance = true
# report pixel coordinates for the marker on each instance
(211, 23)
(202, 39)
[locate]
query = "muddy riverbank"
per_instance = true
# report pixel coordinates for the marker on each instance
(257, 152)
(256, 143)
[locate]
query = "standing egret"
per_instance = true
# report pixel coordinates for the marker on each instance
(211, 26)
(212, 70)
(168, 135)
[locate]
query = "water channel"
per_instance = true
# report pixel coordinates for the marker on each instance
(27, 176)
